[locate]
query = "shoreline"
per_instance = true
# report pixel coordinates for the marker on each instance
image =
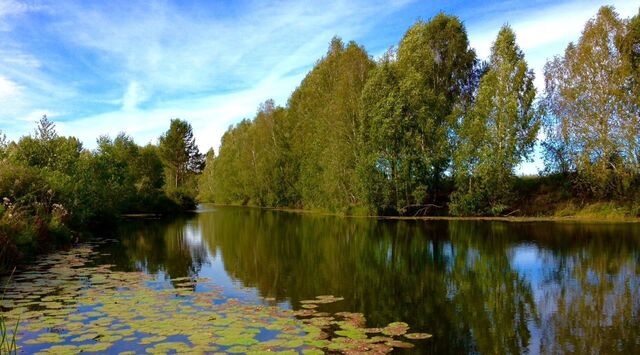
(512, 219)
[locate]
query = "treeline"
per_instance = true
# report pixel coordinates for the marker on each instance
(52, 190)
(429, 128)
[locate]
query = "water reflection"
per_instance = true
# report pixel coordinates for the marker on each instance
(479, 287)
(174, 248)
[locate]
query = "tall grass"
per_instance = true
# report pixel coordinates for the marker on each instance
(7, 338)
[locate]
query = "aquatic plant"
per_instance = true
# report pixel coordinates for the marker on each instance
(7, 337)
(69, 305)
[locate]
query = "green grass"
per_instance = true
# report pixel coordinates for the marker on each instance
(597, 210)
(7, 338)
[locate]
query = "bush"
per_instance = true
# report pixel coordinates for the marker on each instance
(466, 203)
(183, 198)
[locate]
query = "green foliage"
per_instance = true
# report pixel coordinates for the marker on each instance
(325, 111)
(206, 190)
(409, 106)
(496, 133)
(255, 163)
(32, 217)
(302, 156)
(386, 157)
(4, 143)
(592, 107)
(180, 153)
(436, 64)
(393, 137)
(53, 190)
(182, 162)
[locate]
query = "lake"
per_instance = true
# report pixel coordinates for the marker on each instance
(233, 279)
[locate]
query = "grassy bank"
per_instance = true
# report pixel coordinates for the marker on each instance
(589, 213)
(535, 198)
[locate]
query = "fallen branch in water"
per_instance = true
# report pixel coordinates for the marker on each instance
(510, 213)
(423, 209)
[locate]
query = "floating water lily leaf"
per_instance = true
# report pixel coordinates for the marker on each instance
(352, 334)
(396, 328)
(399, 344)
(62, 350)
(97, 347)
(66, 298)
(416, 336)
(46, 338)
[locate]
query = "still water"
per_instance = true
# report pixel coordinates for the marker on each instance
(476, 286)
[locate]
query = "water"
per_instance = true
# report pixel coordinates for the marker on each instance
(476, 286)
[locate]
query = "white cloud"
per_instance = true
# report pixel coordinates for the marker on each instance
(134, 66)
(12, 8)
(210, 116)
(543, 33)
(209, 71)
(133, 96)
(8, 88)
(12, 101)
(172, 50)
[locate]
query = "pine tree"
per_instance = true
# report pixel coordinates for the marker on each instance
(180, 153)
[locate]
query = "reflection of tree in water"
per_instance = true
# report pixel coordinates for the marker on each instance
(594, 307)
(161, 246)
(390, 271)
(491, 299)
(458, 279)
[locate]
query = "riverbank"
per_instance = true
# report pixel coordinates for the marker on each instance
(598, 212)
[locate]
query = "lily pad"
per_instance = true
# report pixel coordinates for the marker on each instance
(417, 336)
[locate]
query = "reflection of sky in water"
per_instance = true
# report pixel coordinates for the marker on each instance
(552, 278)
(526, 260)
(192, 234)
(420, 273)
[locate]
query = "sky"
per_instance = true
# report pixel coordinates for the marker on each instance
(104, 67)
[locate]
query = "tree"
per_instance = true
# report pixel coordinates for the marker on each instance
(436, 66)
(4, 144)
(206, 184)
(46, 129)
(148, 168)
(45, 149)
(592, 109)
(408, 111)
(497, 132)
(386, 149)
(180, 153)
(630, 93)
(254, 164)
(325, 109)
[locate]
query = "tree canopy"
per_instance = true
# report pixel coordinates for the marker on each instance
(428, 125)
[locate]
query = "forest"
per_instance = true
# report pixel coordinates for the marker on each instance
(427, 129)
(55, 192)
(430, 129)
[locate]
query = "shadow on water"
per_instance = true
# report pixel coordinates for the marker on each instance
(477, 286)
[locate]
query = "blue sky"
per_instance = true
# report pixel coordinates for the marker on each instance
(102, 67)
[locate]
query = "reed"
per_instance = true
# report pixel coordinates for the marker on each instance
(7, 336)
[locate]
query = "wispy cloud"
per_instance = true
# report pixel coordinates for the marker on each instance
(542, 32)
(106, 67)
(8, 88)
(132, 66)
